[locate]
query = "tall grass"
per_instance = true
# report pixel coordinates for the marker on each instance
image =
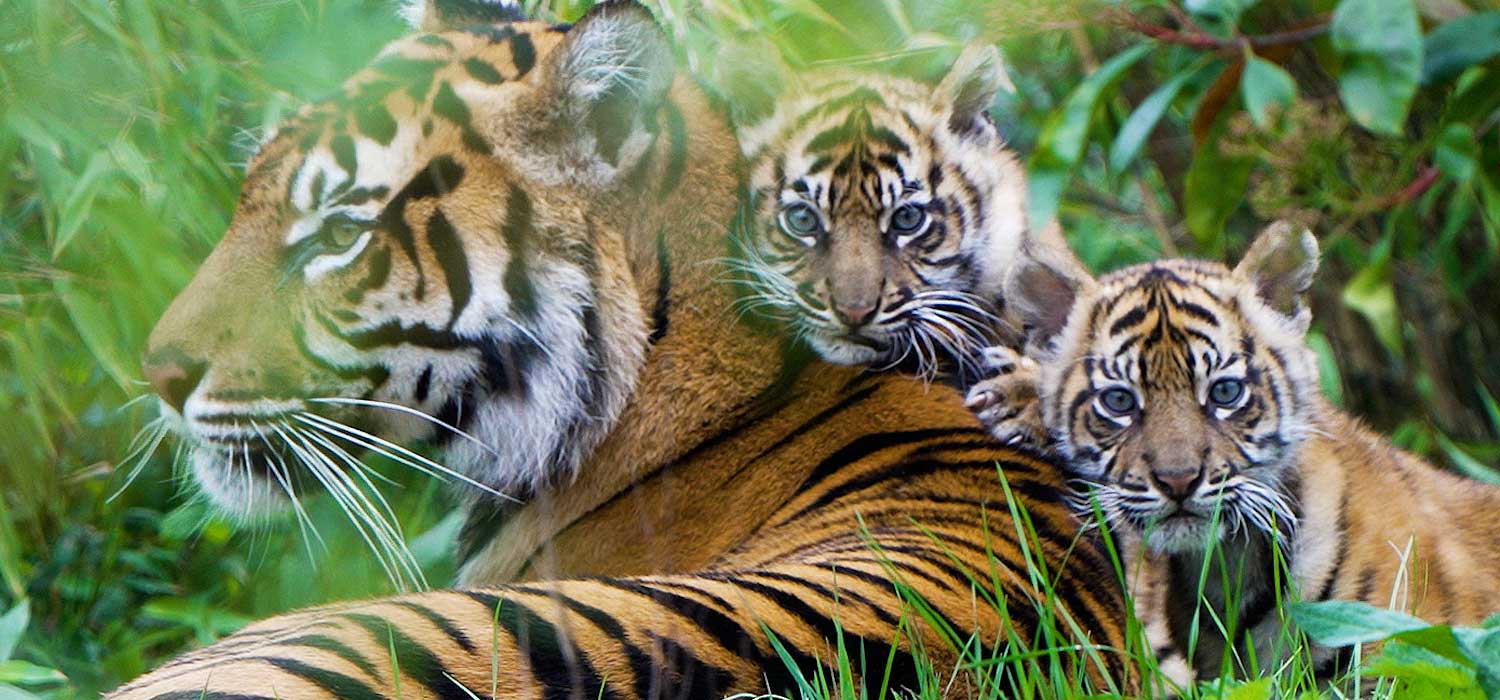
(123, 126)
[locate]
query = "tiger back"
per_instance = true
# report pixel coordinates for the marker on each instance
(693, 485)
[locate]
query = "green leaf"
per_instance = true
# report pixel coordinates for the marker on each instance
(1142, 121)
(1414, 663)
(10, 692)
(1382, 46)
(1214, 188)
(1456, 152)
(1461, 43)
(1065, 133)
(1328, 367)
(1341, 623)
(1254, 690)
(1226, 11)
(1483, 648)
(13, 671)
(1466, 464)
(1374, 297)
(1264, 86)
(96, 324)
(12, 626)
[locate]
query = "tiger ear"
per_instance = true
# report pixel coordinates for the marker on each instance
(615, 61)
(971, 85)
(440, 15)
(1041, 290)
(1281, 264)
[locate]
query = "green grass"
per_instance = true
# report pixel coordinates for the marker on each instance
(123, 126)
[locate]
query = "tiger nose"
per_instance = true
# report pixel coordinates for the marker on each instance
(1177, 483)
(854, 315)
(172, 376)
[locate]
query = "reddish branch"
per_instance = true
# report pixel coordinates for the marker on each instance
(1194, 36)
(1421, 183)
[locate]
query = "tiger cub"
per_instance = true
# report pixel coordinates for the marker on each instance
(882, 212)
(1184, 396)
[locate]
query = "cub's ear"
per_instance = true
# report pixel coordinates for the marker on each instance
(971, 85)
(1281, 264)
(440, 15)
(1043, 286)
(613, 65)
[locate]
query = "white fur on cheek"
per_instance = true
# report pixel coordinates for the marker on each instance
(324, 264)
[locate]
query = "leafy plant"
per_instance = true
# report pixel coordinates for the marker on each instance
(16, 674)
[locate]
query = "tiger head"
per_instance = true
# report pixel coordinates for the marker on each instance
(882, 212)
(1179, 390)
(463, 245)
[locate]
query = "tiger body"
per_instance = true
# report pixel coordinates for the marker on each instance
(1184, 397)
(553, 288)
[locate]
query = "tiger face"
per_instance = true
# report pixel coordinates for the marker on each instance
(882, 212)
(1179, 390)
(433, 253)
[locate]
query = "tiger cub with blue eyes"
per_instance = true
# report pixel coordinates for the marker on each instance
(1183, 397)
(882, 212)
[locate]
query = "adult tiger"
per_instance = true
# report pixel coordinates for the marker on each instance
(884, 214)
(517, 228)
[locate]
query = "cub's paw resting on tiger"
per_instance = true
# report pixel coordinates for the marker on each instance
(1006, 403)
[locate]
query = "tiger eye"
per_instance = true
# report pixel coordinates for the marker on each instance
(1226, 392)
(908, 219)
(800, 220)
(341, 233)
(1118, 401)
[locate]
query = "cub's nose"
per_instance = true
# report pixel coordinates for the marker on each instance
(173, 376)
(854, 315)
(1177, 483)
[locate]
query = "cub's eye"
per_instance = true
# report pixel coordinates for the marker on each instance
(800, 220)
(1226, 392)
(908, 219)
(340, 232)
(1120, 402)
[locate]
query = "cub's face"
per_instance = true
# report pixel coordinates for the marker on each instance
(1180, 394)
(879, 210)
(408, 261)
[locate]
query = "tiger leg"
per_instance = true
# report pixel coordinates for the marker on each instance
(1148, 583)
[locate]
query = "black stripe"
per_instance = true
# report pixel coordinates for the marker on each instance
(412, 658)
(333, 646)
(482, 71)
(517, 232)
(447, 105)
(337, 684)
(647, 674)
(449, 250)
(661, 312)
(559, 671)
(439, 622)
(677, 162)
(522, 53)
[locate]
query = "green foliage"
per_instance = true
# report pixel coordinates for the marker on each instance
(1151, 127)
(1423, 660)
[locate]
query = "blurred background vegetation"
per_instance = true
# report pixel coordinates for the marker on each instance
(1150, 128)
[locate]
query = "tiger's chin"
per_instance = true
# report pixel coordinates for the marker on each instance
(846, 350)
(239, 485)
(1183, 532)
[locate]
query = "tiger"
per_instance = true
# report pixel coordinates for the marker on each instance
(1183, 397)
(883, 213)
(507, 239)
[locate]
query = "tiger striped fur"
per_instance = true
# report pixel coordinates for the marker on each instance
(884, 214)
(535, 256)
(1184, 396)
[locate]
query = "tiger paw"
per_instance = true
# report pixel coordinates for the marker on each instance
(1007, 403)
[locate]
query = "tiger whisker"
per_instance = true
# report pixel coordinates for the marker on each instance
(394, 452)
(371, 403)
